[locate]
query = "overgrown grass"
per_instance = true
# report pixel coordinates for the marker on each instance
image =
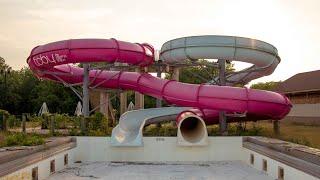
(20, 139)
(166, 129)
(235, 129)
(303, 134)
(98, 125)
(299, 134)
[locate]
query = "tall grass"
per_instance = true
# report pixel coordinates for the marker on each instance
(20, 139)
(98, 125)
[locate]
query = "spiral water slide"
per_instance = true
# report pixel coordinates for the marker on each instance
(199, 103)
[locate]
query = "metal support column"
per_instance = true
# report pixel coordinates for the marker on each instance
(222, 82)
(52, 125)
(104, 103)
(176, 73)
(276, 127)
(123, 102)
(24, 123)
(175, 76)
(158, 101)
(138, 97)
(85, 89)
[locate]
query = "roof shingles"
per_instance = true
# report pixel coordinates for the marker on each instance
(302, 82)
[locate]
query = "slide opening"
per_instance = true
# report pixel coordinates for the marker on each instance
(192, 129)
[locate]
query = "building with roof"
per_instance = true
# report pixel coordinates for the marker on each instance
(303, 90)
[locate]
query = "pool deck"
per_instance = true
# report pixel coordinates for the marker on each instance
(121, 170)
(160, 158)
(13, 159)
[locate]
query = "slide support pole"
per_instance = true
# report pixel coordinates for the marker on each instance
(85, 89)
(104, 103)
(138, 97)
(123, 102)
(222, 82)
(24, 120)
(158, 101)
(175, 76)
(276, 127)
(176, 73)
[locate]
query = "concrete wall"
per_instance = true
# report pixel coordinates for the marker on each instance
(43, 167)
(305, 98)
(305, 110)
(273, 166)
(308, 114)
(165, 149)
(158, 149)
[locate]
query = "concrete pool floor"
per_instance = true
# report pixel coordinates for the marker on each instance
(230, 170)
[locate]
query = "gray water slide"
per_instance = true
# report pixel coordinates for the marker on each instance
(129, 130)
(263, 57)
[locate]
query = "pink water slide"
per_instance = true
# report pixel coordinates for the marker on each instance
(57, 61)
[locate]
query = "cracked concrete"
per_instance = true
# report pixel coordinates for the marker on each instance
(230, 170)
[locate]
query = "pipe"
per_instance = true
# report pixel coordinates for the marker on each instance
(192, 130)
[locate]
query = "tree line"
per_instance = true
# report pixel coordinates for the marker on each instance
(22, 92)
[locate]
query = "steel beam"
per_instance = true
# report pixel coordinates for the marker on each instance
(85, 90)
(159, 102)
(138, 97)
(222, 82)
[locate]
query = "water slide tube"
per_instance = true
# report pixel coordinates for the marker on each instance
(54, 61)
(263, 56)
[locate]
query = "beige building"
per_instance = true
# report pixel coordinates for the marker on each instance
(303, 90)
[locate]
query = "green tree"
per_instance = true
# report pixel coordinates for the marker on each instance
(9, 84)
(3, 65)
(269, 86)
(201, 74)
(59, 99)
(22, 92)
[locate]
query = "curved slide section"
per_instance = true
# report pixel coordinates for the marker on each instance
(262, 55)
(129, 130)
(53, 61)
(55, 57)
(192, 130)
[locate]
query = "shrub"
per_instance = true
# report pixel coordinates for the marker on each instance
(4, 112)
(62, 121)
(96, 133)
(97, 122)
(165, 130)
(45, 121)
(75, 121)
(21, 139)
(213, 130)
(13, 121)
(33, 140)
(74, 132)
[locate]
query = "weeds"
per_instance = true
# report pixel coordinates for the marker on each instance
(21, 139)
(98, 125)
